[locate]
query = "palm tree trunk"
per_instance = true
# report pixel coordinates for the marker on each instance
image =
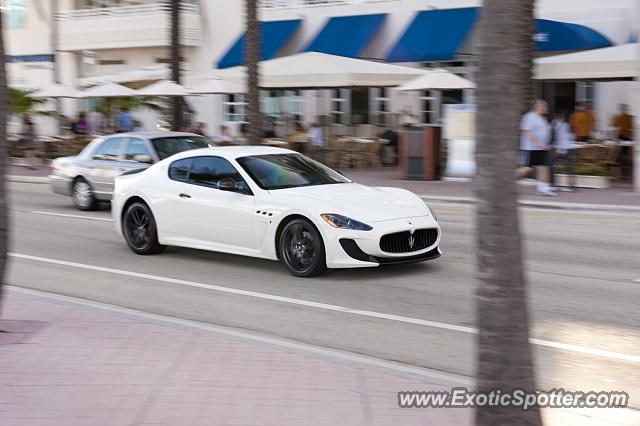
(504, 353)
(176, 101)
(252, 58)
(4, 102)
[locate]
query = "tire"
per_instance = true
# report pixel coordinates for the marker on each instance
(82, 195)
(140, 231)
(301, 249)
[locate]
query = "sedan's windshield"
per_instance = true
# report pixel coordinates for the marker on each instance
(278, 171)
(166, 147)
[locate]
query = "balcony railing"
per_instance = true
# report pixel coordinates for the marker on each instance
(124, 11)
(131, 26)
(284, 4)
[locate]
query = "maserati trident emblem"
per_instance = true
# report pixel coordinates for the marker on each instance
(412, 241)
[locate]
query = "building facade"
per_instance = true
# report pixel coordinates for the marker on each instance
(127, 41)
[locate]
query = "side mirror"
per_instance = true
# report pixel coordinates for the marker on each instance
(227, 184)
(143, 158)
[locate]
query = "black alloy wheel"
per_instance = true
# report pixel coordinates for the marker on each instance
(301, 249)
(139, 229)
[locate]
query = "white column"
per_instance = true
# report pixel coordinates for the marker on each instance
(636, 104)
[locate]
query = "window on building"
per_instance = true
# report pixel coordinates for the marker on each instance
(234, 108)
(585, 92)
(428, 105)
(381, 104)
(112, 62)
(295, 104)
(338, 105)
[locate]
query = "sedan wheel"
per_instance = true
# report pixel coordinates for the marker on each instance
(139, 229)
(301, 249)
(82, 195)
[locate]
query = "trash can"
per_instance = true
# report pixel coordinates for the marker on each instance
(420, 155)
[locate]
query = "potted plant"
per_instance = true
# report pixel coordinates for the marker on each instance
(595, 177)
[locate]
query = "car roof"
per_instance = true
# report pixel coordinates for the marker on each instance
(232, 151)
(153, 134)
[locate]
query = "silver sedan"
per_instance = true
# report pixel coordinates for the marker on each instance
(88, 177)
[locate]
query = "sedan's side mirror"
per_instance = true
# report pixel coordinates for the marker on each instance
(227, 184)
(143, 158)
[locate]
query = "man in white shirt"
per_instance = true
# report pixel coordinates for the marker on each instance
(535, 135)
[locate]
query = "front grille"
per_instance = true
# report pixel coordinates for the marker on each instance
(401, 242)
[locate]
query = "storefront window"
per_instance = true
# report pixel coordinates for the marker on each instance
(234, 108)
(428, 105)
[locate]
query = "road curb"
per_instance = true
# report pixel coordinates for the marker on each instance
(541, 204)
(27, 179)
(400, 369)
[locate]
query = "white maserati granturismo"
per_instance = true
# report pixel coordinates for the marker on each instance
(275, 204)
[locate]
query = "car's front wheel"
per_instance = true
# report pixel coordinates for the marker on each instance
(82, 195)
(139, 229)
(301, 249)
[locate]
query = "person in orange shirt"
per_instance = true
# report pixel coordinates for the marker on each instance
(623, 123)
(582, 122)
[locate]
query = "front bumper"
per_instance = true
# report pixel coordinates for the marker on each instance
(352, 249)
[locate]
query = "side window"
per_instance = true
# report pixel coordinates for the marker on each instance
(179, 170)
(110, 149)
(208, 171)
(136, 148)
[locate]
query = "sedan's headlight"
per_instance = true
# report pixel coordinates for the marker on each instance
(433, 213)
(339, 221)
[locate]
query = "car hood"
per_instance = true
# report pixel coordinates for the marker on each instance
(359, 202)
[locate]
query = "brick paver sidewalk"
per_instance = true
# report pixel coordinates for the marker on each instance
(68, 364)
(83, 366)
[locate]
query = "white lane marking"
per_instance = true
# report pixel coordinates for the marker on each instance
(441, 377)
(73, 216)
(372, 314)
(249, 293)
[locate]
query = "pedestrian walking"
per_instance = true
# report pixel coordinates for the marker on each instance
(562, 153)
(535, 135)
(28, 142)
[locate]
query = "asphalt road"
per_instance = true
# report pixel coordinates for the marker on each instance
(583, 270)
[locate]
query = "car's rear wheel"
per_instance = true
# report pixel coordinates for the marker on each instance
(139, 229)
(82, 195)
(301, 249)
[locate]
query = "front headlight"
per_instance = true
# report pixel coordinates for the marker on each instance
(433, 213)
(343, 222)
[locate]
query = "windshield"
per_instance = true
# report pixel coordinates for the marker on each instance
(278, 171)
(166, 147)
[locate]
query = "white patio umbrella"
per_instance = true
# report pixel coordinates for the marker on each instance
(437, 79)
(109, 90)
(313, 70)
(57, 91)
(216, 86)
(164, 88)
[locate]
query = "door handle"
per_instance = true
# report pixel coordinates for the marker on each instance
(183, 195)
